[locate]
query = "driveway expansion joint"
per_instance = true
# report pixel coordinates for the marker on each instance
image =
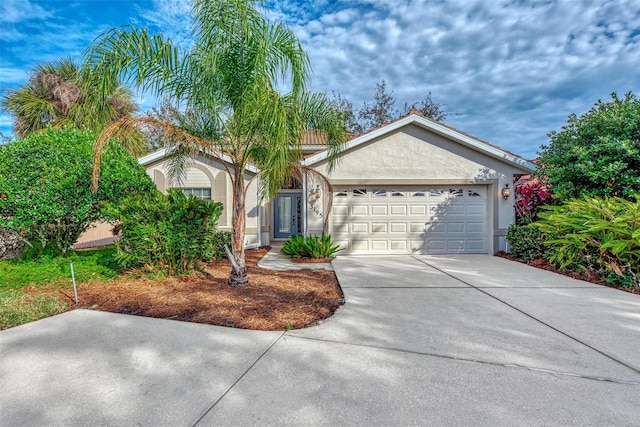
(635, 384)
(479, 289)
(222, 396)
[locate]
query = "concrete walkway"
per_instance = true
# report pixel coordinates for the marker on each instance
(455, 340)
(276, 260)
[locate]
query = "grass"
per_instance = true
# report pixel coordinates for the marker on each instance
(90, 264)
(17, 308)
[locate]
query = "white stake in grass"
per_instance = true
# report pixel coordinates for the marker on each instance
(73, 279)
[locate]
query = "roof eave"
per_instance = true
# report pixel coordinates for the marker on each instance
(438, 128)
(164, 152)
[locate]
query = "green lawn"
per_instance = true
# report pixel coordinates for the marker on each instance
(88, 264)
(17, 308)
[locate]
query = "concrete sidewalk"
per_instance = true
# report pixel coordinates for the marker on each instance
(462, 340)
(276, 260)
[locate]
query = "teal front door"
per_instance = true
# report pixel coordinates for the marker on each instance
(287, 215)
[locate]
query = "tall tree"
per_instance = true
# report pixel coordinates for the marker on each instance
(597, 154)
(345, 107)
(381, 111)
(226, 85)
(429, 108)
(57, 94)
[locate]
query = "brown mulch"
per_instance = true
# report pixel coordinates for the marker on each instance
(587, 276)
(274, 300)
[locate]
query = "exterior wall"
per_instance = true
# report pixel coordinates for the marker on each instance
(207, 173)
(413, 155)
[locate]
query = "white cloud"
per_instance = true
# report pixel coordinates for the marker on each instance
(12, 75)
(14, 11)
(172, 18)
(513, 70)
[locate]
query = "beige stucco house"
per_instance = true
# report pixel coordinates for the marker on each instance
(412, 186)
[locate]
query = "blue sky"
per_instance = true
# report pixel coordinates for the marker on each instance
(508, 71)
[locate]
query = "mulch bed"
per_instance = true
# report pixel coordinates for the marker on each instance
(274, 300)
(587, 276)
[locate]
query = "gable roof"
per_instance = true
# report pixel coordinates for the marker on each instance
(164, 152)
(451, 133)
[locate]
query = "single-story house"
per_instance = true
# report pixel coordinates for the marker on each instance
(412, 186)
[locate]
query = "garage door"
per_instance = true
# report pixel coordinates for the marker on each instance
(405, 220)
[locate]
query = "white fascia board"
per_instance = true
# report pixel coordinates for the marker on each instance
(436, 128)
(164, 152)
(155, 156)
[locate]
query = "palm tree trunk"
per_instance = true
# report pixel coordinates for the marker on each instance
(238, 275)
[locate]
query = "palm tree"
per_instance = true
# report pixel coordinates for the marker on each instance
(57, 94)
(226, 84)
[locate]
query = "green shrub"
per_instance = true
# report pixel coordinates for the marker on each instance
(171, 233)
(220, 240)
(527, 243)
(598, 234)
(596, 154)
(45, 187)
(310, 246)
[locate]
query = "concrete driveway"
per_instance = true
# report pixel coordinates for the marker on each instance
(424, 340)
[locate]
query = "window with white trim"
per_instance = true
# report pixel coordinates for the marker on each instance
(201, 193)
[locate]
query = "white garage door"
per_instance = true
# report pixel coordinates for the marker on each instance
(405, 220)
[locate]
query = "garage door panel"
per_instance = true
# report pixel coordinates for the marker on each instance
(359, 245)
(398, 209)
(453, 210)
(476, 209)
(410, 220)
(359, 210)
(379, 227)
(455, 227)
(475, 227)
(455, 245)
(398, 227)
(340, 211)
(436, 245)
(416, 227)
(437, 227)
(418, 210)
(359, 227)
(380, 245)
(379, 210)
(398, 245)
(340, 229)
(476, 245)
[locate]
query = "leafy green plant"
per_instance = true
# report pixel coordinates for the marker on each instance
(599, 234)
(172, 233)
(596, 154)
(310, 246)
(527, 243)
(45, 187)
(220, 240)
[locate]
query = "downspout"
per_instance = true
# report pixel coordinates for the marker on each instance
(259, 219)
(304, 206)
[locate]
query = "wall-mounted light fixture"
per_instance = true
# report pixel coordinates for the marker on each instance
(506, 192)
(314, 195)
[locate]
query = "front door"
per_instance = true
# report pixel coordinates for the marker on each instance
(287, 215)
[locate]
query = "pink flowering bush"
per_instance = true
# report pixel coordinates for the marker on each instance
(528, 199)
